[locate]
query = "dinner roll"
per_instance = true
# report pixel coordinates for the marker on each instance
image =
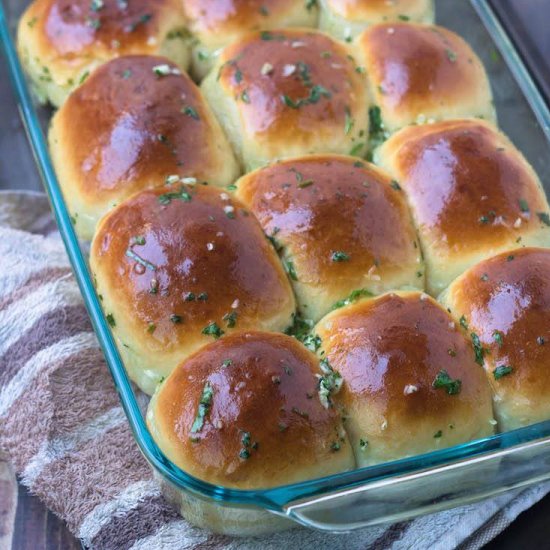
(216, 24)
(179, 266)
(420, 73)
(244, 412)
(342, 226)
(140, 122)
(504, 304)
(286, 93)
(61, 42)
(410, 381)
(471, 192)
(345, 19)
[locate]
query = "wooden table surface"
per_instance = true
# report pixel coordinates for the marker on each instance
(38, 529)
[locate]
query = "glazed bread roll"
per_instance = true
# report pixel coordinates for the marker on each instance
(341, 225)
(61, 42)
(216, 24)
(180, 266)
(503, 303)
(410, 381)
(141, 122)
(345, 19)
(471, 192)
(285, 93)
(244, 412)
(420, 73)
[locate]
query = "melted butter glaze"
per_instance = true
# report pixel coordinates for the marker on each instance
(468, 185)
(73, 28)
(319, 205)
(268, 390)
(216, 16)
(131, 128)
(506, 302)
(417, 67)
(183, 250)
(300, 61)
(380, 346)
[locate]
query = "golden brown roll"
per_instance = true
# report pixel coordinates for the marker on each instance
(285, 93)
(216, 24)
(471, 192)
(141, 122)
(410, 381)
(177, 267)
(345, 19)
(62, 42)
(244, 412)
(420, 73)
(503, 303)
(342, 226)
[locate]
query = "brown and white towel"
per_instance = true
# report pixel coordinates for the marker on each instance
(66, 435)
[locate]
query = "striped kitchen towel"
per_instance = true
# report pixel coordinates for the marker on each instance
(66, 435)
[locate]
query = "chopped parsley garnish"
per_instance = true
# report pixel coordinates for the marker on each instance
(376, 127)
(353, 297)
(244, 454)
(312, 342)
(267, 36)
(227, 363)
(497, 337)
(190, 111)
(363, 444)
(148, 265)
(443, 380)
(300, 328)
(356, 149)
(141, 21)
(451, 352)
(290, 269)
(463, 322)
(349, 122)
(86, 74)
(451, 55)
(297, 411)
(523, 206)
(204, 408)
(438, 434)
(310, 4)
(541, 340)
(315, 94)
(245, 97)
(212, 329)
(176, 318)
(330, 383)
(484, 277)
(335, 446)
(395, 185)
(110, 319)
(230, 319)
(510, 258)
(503, 370)
(189, 297)
(151, 327)
(339, 256)
(479, 350)
(126, 74)
(203, 296)
(182, 195)
(544, 218)
(404, 17)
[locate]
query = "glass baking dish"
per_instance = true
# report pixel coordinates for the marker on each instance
(377, 494)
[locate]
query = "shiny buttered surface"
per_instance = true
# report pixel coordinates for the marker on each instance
(286, 93)
(340, 224)
(471, 192)
(217, 23)
(418, 73)
(61, 42)
(180, 266)
(141, 122)
(312, 241)
(345, 19)
(245, 412)
(503, 305)
(410, 380)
